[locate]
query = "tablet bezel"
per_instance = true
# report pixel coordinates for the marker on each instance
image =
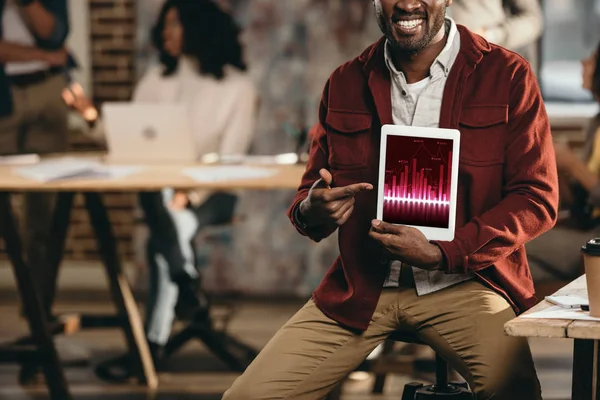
(431, 233)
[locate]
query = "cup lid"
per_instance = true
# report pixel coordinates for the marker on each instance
(592, 247)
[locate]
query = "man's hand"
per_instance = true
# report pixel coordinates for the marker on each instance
(408, 245)
(330, 206)
(55, 58)
(75, 98)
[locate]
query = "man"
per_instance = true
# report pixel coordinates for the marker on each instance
(457, 296)
(33, 116)
(514, 24)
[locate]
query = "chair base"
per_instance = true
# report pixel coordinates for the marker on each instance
(235, 354)
(453, 391)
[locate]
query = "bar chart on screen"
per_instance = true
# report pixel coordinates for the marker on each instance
(417, 181)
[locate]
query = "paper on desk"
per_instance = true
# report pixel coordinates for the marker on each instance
(69, 168)
(20, 159)
(59, 168)
(115, 171)
(277, 159)
(227, 173)
(557, 312)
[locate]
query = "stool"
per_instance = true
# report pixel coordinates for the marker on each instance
(442, 389)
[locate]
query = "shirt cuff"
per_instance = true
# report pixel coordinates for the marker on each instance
(456, 260)
(298, 218)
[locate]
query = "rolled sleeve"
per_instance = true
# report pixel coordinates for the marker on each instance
(59, 32)
(456, 259)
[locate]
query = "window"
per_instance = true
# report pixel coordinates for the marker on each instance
(572, 31)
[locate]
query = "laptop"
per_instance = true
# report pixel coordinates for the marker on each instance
(150, 133)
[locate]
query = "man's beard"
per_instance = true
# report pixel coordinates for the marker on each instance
(411, 45)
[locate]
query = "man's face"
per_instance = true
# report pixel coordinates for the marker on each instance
(410, 25)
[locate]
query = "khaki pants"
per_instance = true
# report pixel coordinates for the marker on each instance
(38, 124)
(311, 353)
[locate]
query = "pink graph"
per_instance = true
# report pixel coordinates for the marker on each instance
(417, 181)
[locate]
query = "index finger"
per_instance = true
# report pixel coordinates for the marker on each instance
(348, 191)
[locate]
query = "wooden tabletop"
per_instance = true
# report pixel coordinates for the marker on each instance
(154, 177)
(556, 328)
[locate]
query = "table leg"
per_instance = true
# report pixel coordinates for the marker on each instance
(586, 358)
(59, 228)
(36, 316)
(121, 291)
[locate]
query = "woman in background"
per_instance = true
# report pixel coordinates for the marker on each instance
(200, 65)
(584, 173)
(556, 254)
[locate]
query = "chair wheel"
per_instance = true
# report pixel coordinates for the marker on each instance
(451, 392)
(410, 390)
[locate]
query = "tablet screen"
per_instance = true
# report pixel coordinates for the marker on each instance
(417, 181)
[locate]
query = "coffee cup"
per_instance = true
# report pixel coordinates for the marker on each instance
(591, 259)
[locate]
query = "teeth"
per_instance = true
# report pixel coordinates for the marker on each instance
(409, 24)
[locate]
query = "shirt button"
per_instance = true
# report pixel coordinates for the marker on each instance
(404, 93)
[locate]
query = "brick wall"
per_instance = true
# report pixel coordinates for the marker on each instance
(112, 42)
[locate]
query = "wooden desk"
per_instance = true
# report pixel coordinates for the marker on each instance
(150, 178)
(586, 335)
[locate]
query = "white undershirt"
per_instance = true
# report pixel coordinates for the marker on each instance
(16, 31)
(416, 88)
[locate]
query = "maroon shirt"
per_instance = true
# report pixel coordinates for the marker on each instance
(507, 187)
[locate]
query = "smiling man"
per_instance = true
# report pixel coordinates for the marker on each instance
(456, 296)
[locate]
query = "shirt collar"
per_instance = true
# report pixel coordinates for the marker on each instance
(444, 60)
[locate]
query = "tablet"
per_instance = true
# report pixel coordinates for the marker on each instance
(418, 179)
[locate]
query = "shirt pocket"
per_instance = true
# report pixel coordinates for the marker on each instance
(483, 130)
(348, 139)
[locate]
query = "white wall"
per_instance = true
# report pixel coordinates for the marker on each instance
(79, 42)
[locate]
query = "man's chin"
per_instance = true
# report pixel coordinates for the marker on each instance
(407, 46)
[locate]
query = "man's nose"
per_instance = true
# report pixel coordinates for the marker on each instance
(408, 5)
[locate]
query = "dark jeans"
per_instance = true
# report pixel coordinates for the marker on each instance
(173, 285)
(217, 209)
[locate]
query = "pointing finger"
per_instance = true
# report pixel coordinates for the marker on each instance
(347, 191)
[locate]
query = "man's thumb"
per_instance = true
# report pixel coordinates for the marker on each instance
(326, 176)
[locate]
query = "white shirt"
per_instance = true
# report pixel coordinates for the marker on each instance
(223, 112)
(14, 30)
(420, 104)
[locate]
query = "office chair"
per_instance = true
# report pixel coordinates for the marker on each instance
(203, 327)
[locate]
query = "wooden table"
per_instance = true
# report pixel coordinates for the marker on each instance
(150, 178)
(586, 335)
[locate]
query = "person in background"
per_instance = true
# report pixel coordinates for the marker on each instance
(513, 24)
(580, 196)
(33, 117)
(201, 65)
(584, 172)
